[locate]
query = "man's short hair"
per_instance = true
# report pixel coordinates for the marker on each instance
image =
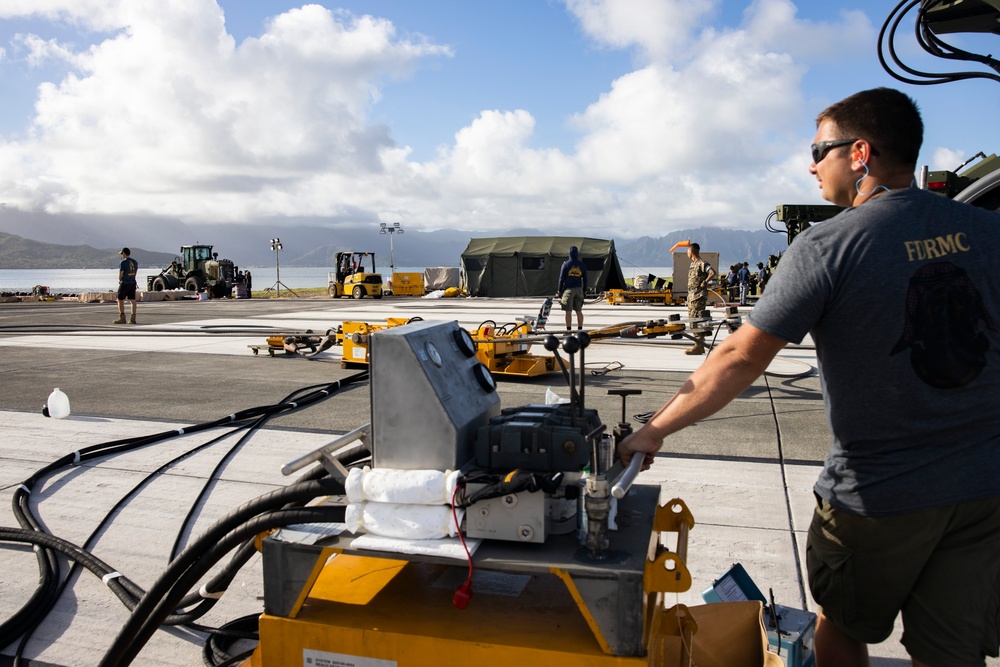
(126, 252)
(886, 118)
(695, 248)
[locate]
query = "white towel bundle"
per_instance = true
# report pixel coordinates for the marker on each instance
(413, 522)
(407, 504)
(408, 487)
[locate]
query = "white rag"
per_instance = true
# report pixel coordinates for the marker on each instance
(412, 522)
(407, 487)
(448, 547)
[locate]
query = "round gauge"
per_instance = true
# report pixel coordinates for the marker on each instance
(466, 345)
(485, 378)
(433, 353)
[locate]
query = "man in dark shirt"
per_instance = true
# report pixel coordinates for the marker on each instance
(743, 276)
(572, 284)
(127, 271)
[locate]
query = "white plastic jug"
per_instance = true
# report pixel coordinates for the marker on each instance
(58, 404)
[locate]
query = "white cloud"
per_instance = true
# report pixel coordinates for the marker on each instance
(702, 142)
(168, 115)
(91, 14)
(946, 159)
(39, 51)
(658, 28)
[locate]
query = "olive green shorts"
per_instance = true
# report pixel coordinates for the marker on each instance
(572, 299)
(938, 567)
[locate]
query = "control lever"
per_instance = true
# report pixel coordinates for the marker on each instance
(584, 339)
(571, 344)
(627, 478)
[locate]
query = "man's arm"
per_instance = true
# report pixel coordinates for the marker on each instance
(730, 368)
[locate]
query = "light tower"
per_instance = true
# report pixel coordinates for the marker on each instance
(391, 230)
(276, 247)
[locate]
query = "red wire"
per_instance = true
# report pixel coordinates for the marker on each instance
(458, 529)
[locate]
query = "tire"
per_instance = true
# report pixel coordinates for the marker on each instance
(377, 296)
(193, 284)
(984, 193)
(334, 291)
(160, 284)
(359, 292)
(221, 290)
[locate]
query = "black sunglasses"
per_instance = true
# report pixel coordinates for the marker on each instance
(819, 150)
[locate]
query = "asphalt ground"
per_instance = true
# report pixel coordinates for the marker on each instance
(111, 379)
(746, 473)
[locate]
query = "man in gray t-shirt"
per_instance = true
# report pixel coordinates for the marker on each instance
(898, 295)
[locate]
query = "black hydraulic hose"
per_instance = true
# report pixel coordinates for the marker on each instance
(30, 613)
(124, 588)
(44, 606)
(216, 550)
(215, 652)
(185, 570)
(258, 423)
(27, 619)
(271, 501)
(50, 587)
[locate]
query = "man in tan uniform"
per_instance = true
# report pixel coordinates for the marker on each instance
(699, 275)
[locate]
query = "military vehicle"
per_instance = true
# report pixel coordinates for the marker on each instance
(197, 269)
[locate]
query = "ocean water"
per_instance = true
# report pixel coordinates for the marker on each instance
(74, 281)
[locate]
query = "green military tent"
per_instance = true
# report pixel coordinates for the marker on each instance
(529, 265)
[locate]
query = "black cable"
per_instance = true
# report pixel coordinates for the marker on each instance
(29, 617)
(788, 499)
(770, 227)
(212, 476)
(134, 589)
(215, 651)
(931, 44)
(185, 570)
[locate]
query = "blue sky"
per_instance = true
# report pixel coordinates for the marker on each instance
(603, 118)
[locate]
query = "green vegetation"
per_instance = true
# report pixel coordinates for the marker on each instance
(298, 292)
(17, 252)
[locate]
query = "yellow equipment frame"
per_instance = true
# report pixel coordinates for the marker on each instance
(381, 609)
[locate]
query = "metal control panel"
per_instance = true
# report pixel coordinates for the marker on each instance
(429, 396)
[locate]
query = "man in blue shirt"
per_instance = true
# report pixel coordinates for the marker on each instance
(743, 276)
(572, 284)
(127, 271)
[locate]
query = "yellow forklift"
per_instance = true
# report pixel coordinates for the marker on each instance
(352, 277)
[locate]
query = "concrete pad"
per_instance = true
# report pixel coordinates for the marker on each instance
(649, 354)
(138, 541)
(746, 473)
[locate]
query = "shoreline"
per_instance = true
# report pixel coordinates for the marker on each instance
(173, 295)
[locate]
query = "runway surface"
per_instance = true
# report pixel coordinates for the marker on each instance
(745, 473)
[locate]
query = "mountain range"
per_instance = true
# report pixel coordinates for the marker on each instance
(37, 241)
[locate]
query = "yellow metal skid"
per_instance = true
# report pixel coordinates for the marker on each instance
(410, 621)
(382, 611)
(506, 351)
(619, 296)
